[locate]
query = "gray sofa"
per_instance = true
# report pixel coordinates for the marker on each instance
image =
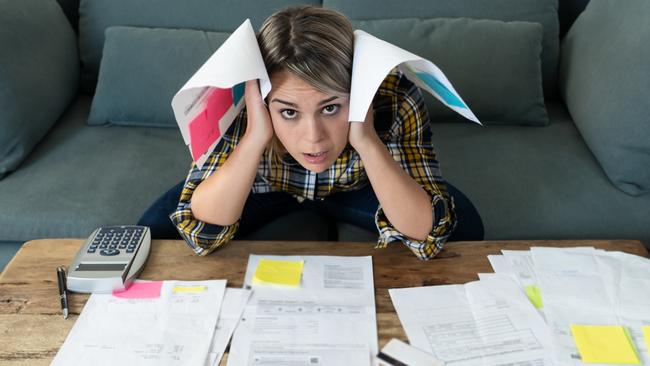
(528, 182)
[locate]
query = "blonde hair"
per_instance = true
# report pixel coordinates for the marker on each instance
(314, 44)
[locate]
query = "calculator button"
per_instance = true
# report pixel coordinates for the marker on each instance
(109, 252)
(91, 250)
(130, 250)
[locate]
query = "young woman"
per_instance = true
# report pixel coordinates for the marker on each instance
(297, 149)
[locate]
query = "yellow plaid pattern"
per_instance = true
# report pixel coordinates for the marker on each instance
(402, 123)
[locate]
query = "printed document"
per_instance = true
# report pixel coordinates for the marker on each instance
(593, 287)
(232, 308)
(487, 322)
(171, 327)
(329, 319)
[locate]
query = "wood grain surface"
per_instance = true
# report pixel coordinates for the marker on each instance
(32, 328)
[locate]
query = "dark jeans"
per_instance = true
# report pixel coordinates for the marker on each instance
(354, 207)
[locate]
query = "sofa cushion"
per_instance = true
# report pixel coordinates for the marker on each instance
(605, 80)
(538, 183)
(502, 85)
(540, 11)
(81, 177)
(39, 74)
(219, 16)
(142, 69)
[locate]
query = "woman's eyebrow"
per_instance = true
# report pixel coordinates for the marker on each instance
(284, 102)
(327, 100)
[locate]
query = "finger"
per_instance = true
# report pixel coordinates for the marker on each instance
(252, 91)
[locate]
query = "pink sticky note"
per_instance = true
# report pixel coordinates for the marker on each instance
(141, 290)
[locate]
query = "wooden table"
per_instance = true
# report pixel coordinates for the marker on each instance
(32, 328)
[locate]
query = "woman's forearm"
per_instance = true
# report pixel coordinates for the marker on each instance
(220, 198)
(405, 203)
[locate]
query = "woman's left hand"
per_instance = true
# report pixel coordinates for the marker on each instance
(363, 133)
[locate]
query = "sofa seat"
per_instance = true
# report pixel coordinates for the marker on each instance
(538, 182)
(82, 177)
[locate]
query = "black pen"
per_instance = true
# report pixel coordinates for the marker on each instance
(63, 291)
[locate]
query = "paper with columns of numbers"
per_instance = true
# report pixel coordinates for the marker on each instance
(175, 328)
(328, 320)
(211, 99)
(375, 58)
(487, 322)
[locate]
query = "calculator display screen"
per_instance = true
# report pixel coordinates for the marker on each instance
(101, 266)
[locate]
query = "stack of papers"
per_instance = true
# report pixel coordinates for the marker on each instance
(487, 322)
(546, 306)
(154, 323)
(317, 310)
(596, 303)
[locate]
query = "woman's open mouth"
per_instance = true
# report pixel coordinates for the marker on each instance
(315, 158)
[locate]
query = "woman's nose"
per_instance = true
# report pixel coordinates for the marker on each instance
(314, 130)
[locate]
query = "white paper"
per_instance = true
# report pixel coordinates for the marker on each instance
(373, 60)
(232, 309)
(487, 322)
(588, 286)
(329, 320)
(236, 61)
(173, 329)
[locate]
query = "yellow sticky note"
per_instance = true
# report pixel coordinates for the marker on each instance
(646, 335)
(188, 289)
(274, 272)
(604, 344)
(534, 295)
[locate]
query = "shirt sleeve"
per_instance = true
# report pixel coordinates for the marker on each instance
(203, 237)
(409, 142)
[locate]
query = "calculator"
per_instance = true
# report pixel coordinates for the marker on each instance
(110, 259)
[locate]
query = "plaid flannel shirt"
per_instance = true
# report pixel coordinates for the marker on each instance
(402, 123)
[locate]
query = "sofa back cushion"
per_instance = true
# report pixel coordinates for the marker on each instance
(539, 11)
(142, 69)
(502, 85)
(39, 74)
(218, 16)
(605, 81)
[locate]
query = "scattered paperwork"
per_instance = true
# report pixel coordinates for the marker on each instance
(329, 320)
(583, 286)
(171, 329)
(487, 322)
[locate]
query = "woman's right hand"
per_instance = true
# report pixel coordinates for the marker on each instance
(259, 127)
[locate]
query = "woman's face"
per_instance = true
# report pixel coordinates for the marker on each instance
(312, 126)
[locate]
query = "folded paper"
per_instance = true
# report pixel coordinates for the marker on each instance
(375, 58)
(211, 99)
(209, 102)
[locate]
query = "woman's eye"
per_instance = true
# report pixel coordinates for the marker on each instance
(288, 113)
(331, 109)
